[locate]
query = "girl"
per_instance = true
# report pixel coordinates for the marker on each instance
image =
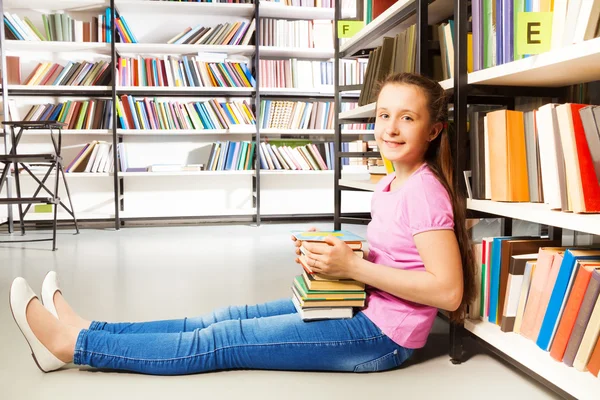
(418, 262)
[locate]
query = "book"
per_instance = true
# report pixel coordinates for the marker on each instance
(320, 313)
(351, 239)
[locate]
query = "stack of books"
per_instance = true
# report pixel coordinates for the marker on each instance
(317, 296)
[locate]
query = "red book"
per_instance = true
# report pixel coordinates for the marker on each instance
(589, 180)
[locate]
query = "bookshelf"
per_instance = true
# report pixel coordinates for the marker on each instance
(115, 197)
(547, 73)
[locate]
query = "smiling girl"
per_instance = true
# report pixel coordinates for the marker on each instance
(418, 262)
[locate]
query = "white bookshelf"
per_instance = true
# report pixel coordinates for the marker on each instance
(447, 84)
(291, 52)
(146, 6)
(568, 65)
(539, 213)
(179, 49)
(581, 385)
(64, 216)
(199, 212)
(74, 47)
(358, 184)
(366, 111)
(327, 91)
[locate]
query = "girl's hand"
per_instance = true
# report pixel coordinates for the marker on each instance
(298, 243)
(335, 258)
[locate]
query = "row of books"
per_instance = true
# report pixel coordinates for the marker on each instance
(352, 72)
(294, 73)
(94, 157)
(549, 155)
(494, 26)
(184, 71)
(210, 1)
(295, 156)
(296, 33)
(74, 73)
(546, 293)
(228, 33)
(81, 114)
(282, 114)
(154, 114)
(62, 27)
(396, 54)
(317, 296)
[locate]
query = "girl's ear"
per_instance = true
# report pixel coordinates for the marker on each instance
(436, 129)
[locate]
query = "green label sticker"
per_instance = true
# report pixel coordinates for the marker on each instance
(347, 29)
(534, 32)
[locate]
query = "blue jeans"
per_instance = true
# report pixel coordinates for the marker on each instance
(265, 336)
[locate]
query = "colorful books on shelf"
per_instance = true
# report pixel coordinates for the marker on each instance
(294, 73)
(74, 73)
(61, 27)
(81, 114)
(549, 295)
(155, 114)
(304, 3)
(318, 296)
(352, 72)
(296, 155)
(184, 71)
(282, 114)
(494, 27)
(228, 33)
(296, 33)
(95, 157)
(350, 105)
(550, 154)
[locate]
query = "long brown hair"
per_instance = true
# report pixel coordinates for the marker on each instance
(439, 159)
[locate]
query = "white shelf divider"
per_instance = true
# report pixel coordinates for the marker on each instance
(358, 184)
(539, 213)
(90, 132)
(169, 132)
(26, 45)
(271, 51)
(184, 173)
(577, 63)
(56, 5)
(581, 385)
(162, 213)
(165, 48)
(59, 89)
(274, 131)
(296, 92)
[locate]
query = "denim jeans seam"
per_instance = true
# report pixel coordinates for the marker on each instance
(230, 347)
(77, 354)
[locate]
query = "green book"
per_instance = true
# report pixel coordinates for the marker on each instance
(47, 26)
(519, 6)
(307, 294)
(34, 29)
(489, 34)
(82, 113)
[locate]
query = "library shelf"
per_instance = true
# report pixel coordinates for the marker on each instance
(581, 385)
(393, 21)
(47, 46)
(195, 91)
(166, 48)
(363, 184)
(274, 131)
(552, 69)
(82, 132)
(184, 173)
(359, 113)
(245, 130)
(539, 213)
(187, 7)
(278, 10)
(296, 52)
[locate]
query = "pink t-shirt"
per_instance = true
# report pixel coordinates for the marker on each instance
(421, 204)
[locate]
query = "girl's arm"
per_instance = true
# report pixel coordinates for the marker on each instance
(440, 285)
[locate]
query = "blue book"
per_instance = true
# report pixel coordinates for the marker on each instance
(499, 34)
(56, 112)
(319, 236)
(555, 305)
(495, 273)
(223, 156)
(230, 154)
(509, 31)
(108, 25)
(206, 120)
(248, 74)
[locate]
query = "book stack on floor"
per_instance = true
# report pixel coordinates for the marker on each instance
(317, 296)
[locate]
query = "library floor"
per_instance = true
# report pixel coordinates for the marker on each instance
(158, 273)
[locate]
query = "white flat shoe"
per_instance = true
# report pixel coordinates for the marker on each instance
(49, 287)
(20, 296)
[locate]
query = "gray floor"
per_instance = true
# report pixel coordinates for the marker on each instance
(157, 273)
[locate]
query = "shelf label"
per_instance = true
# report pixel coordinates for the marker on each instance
(533, 33)
(347, 29)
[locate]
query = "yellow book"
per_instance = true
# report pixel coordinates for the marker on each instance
(469, 52)
(232, 113)
(242, 75)
(389, 167)
(39, 74)
(140, 118)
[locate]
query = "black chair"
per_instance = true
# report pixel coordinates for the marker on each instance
(53, 161)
